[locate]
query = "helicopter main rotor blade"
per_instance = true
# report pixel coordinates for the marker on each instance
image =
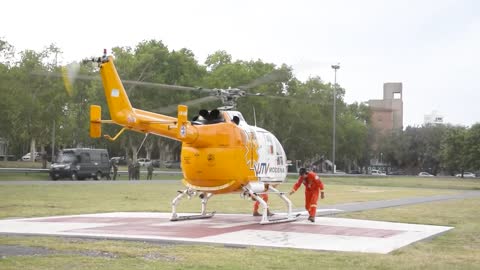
(130, 82)
(173, 108)
(167, 86)
(274, 76)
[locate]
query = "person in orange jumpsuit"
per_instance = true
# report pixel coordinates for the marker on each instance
(313, 186)
(264, 196)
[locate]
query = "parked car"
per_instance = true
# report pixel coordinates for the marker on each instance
(425, 174)
(377, 172)
(119, 160)
(172, 164)
(466, 175)
(156, 163)
(399, 172)
(26, 157)
(143, 162)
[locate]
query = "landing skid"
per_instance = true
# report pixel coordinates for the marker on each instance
(191, 217)
(280, 220)
(290, 217)
(189, 193)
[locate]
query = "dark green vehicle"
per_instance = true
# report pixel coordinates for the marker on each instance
(81, 163)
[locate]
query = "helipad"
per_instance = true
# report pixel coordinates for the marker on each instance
(327, 233)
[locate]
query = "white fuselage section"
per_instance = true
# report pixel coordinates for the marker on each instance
(271, 165)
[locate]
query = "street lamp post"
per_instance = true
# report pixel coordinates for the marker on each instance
(335, 67)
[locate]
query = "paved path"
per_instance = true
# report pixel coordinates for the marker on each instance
(362, 206)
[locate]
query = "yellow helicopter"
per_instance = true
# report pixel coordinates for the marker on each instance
(221, 153)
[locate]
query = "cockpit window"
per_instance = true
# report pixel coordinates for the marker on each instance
(279, 152)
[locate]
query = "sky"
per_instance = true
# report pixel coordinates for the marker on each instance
(431, 46)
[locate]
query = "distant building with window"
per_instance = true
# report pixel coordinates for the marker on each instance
(433, 119)
(386, 116)
(387, 113)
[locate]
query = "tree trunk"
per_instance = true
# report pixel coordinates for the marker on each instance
(149, 145)
(134, 149)
(32, 150)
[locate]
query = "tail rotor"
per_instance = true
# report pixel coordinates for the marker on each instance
(69, 75)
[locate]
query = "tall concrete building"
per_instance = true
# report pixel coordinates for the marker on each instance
(387, 113)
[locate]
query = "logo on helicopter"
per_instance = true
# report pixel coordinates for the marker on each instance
(276, 170)
(261, 168)
(264, 168)
(183, 131)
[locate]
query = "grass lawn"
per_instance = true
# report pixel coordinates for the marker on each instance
(457, 249)
(21, 164)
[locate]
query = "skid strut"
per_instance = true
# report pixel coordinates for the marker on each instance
(189, 193)
(265, 218)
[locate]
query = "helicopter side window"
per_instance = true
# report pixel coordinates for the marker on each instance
(236, 120)
(279, 152)
(236, 116)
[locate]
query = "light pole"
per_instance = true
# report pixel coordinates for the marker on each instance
(335, 67)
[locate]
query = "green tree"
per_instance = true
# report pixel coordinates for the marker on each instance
(472, 148)
(453, 150)
(218, 59)
(36, 99)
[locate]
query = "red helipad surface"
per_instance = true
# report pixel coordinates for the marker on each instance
(326, 233)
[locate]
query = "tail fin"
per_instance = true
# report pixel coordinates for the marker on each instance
(117, 99)
(95, 121)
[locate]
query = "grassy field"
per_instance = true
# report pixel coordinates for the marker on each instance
(20, 164)
(457, 249)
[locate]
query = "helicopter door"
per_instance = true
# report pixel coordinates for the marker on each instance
(271, 165)
(265, 152)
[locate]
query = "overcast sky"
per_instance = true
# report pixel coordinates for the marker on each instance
(431, 46)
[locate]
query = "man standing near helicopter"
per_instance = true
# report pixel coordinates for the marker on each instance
(313, 185)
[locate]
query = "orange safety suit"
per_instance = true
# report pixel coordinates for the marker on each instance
(313, 185)
(264, 196)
